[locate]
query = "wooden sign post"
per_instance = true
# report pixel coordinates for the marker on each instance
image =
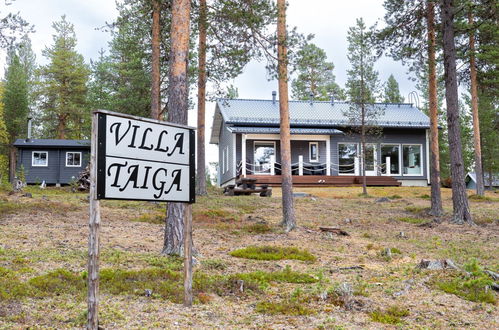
(134, 158)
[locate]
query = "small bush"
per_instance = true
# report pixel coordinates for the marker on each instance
(425, 196)
(273, 253)
(287, 307)
(473, 287)
(11, 288)
(392, 315)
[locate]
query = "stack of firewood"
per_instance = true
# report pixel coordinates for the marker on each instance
(83, 180)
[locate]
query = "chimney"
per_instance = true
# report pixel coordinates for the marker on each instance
(274, 94)
(29, 129)
(332, 99)
(311, 98)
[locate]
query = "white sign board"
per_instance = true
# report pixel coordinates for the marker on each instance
(144, 159)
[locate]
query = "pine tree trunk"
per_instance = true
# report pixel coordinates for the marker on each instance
(288, 221)
(460, 203)
(61, 127)
(12, 163)
(155, 69)
(177, 111)
(436, 196)
(201, 162)
(363, 149)
(480, 189)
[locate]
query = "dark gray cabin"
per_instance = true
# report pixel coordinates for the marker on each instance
(53, 161)
(324, 151)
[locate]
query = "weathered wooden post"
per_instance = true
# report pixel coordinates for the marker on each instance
(272, 165)
(188, 256)
(93, 236)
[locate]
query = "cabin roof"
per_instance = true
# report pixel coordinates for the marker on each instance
(52, 143)
(318, 114)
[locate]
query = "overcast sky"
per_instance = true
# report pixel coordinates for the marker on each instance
(327, 20)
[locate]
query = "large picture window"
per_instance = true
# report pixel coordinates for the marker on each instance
(346, 157)
(73, 159)
(39, 158)
(412, 160)
(264, 151)
(392, 151)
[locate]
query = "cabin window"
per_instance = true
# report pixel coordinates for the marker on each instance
(412, 161)
(39, 158)
(73, 159)
(392, 151)
(313, 148)
(264, 153)
(346, 157)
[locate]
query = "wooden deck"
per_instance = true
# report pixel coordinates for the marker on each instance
(326, 180)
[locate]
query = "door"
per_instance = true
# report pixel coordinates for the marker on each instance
(264, 154)
(371, 163)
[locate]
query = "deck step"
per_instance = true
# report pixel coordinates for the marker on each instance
(325, 180)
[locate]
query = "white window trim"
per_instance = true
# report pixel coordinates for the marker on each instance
(310, 152)
(227, 159)
(400, 157)
(421, 150)
(254, 147)
(223, 161)
(33, 158)
(338, 152)
(73, 152)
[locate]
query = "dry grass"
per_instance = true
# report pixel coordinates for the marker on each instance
(40, 235)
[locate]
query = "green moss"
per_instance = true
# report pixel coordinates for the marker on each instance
(392, 315)
(412, 220)
(287, 307)
(285, 276)
(417, 210)
(478, 198)
(273, 253)
(425, 196)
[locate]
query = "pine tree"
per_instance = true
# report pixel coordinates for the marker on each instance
(461, 209)
(362, 87)
(392, 92)
(63, 89)
(315, 75)
(16, 105)
(4, 139)
(288, 211)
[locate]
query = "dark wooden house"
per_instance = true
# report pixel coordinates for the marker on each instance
(53, 161)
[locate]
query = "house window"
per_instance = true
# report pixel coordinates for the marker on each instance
(39, 158)
(346, 157)
(264, 152)
(73, 159)
(313, 148)
(412, 164)
(392, 151)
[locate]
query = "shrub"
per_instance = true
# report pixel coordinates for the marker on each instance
(273, 253)
(472, 287)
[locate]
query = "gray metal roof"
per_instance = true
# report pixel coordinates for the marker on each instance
(276, 130)
(486, 179)
(52, 143)
(306, 114)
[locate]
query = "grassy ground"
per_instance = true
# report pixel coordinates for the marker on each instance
(43, 242)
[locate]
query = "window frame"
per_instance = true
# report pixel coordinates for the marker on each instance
(73, 152)
(421, 158)
(33, 158)
(400, 157)
(310, 144)
(357, 148)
